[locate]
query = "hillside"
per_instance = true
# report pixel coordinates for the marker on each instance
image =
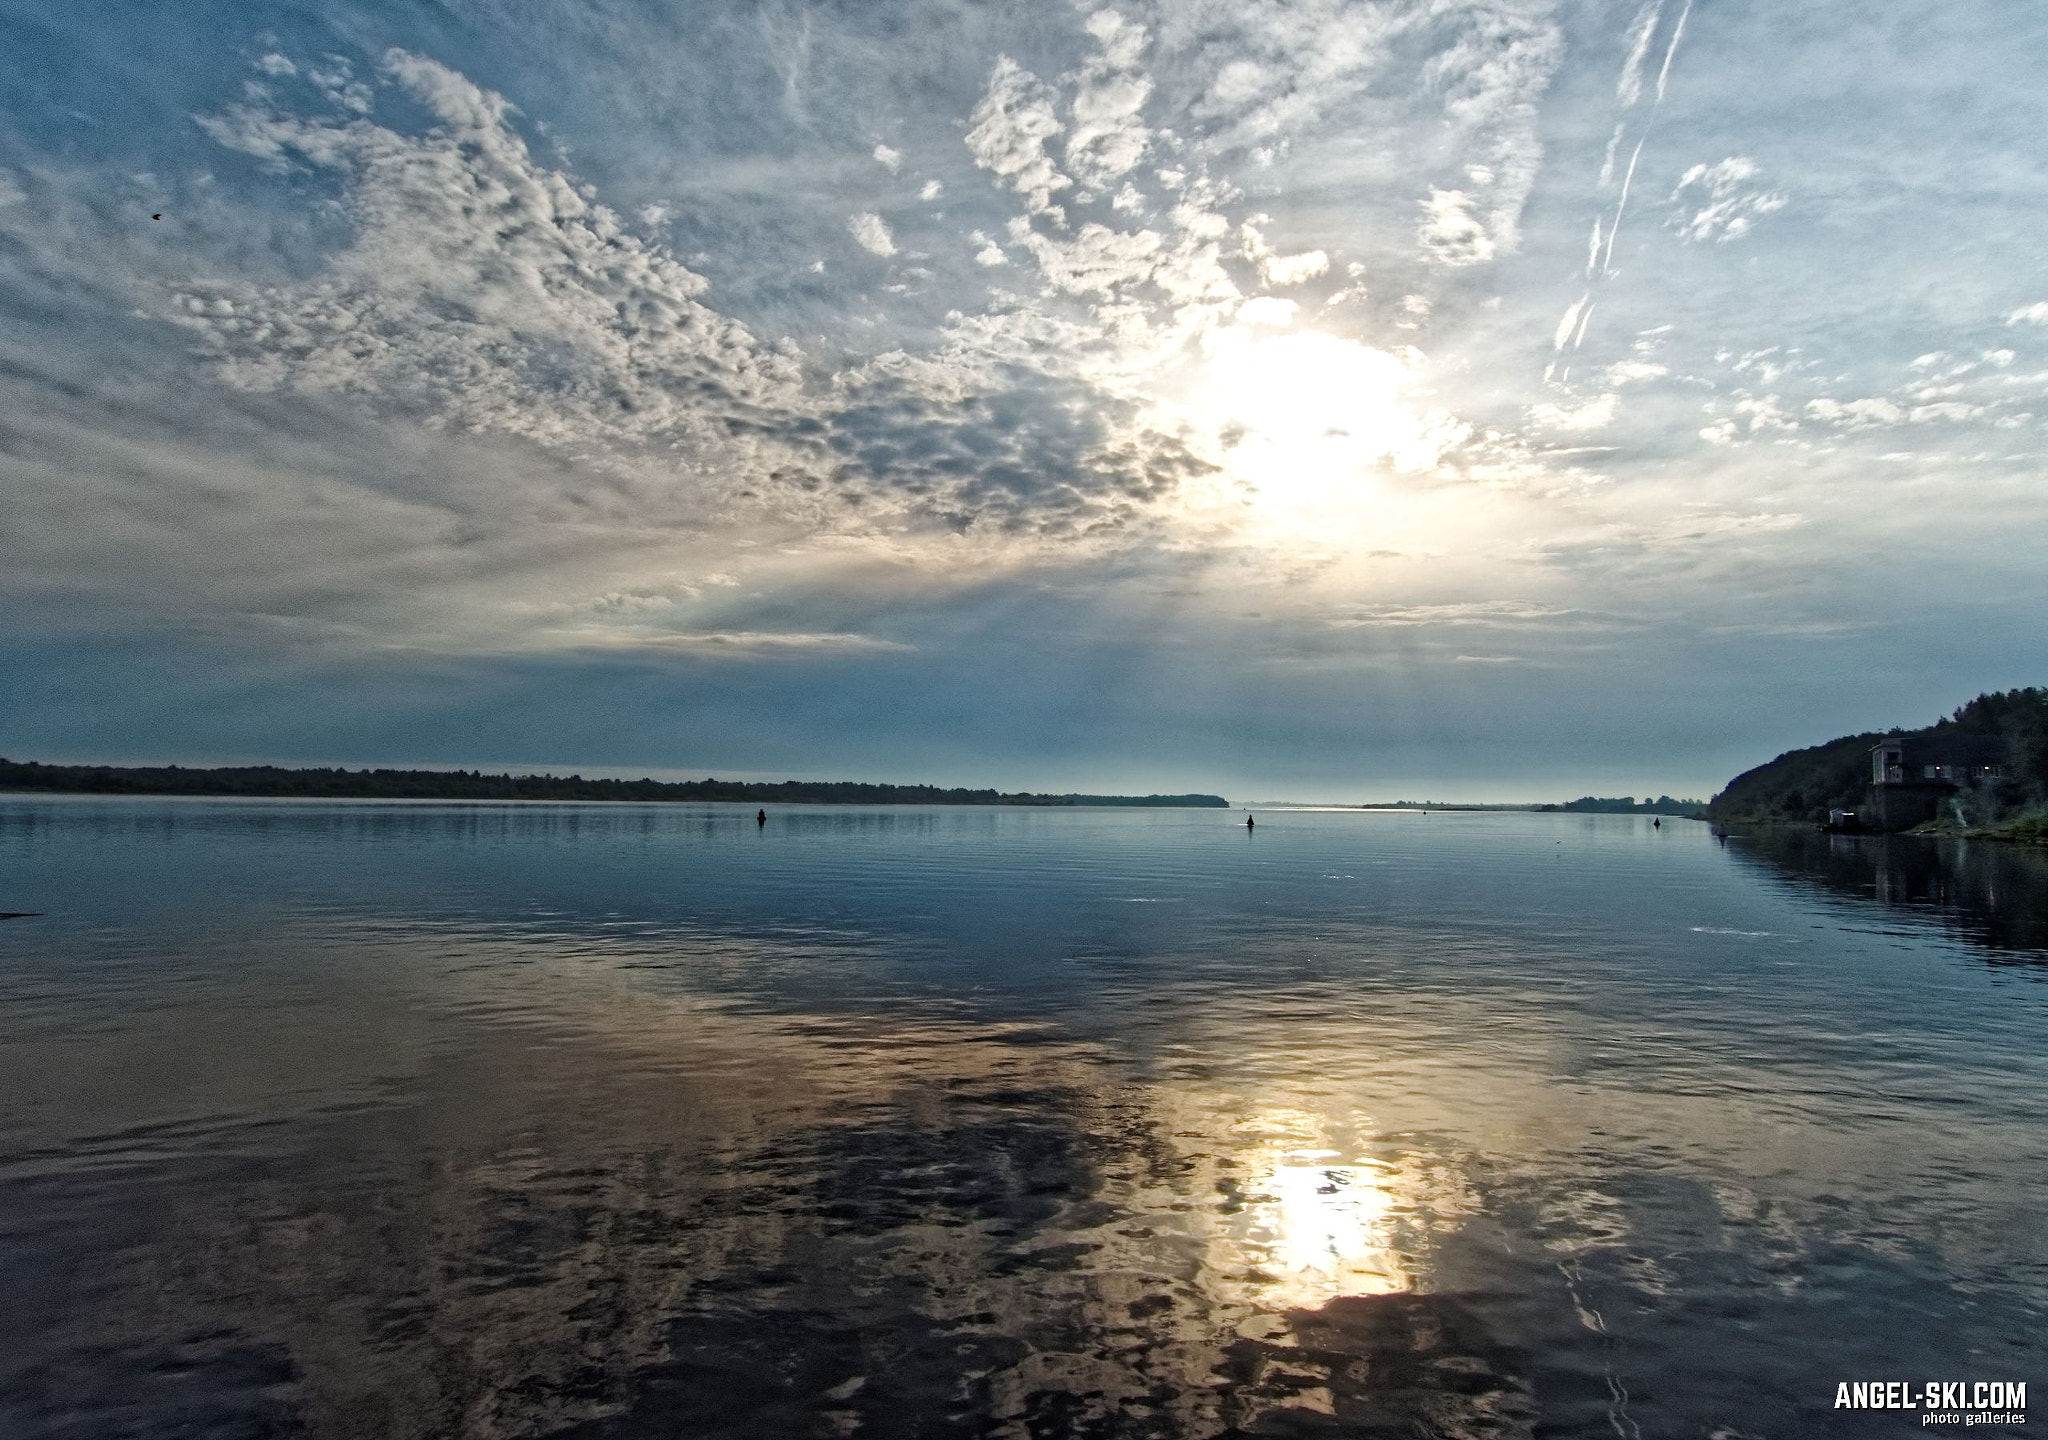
(1803, 785)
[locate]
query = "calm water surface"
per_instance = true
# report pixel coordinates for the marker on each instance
(456, 1120)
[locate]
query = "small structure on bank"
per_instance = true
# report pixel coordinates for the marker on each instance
(1911, 775)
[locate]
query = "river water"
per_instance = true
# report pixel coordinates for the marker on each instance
(358, 1119)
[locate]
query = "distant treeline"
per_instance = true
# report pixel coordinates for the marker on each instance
(1628, 805)
(1806, 784)
(278, 782)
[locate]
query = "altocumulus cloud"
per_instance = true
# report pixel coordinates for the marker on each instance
(871, 232)
(483, 291)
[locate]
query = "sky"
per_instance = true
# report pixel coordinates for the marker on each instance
(1322, 400)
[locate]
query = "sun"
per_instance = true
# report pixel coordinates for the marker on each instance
(1308, 420)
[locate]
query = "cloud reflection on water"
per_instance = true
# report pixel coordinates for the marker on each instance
(580, 1187)
(423, 1121)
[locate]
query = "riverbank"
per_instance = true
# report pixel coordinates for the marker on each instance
(2025, 830)
(2031, 829)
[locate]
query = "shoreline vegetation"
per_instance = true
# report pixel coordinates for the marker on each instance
(339, 783)
(279, 782)
(1801, 786)
(2026, 830)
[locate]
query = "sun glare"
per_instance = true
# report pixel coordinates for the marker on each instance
(1325, 1229)
(1311, 1222)
(1307, 418)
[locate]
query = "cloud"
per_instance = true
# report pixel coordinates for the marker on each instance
(1794, 629)
(1945, 410)
(484, 292)
(1267, 310)
(420, 370)
(1275, 268)
(480, 290)
(1108, 138)
(871, 233)
(1010, 128)
(1450, 233)
(1635, 372)
(983, 438)
(1098, 260)
(1491, 79)
(1458, 613)
(1269, 79)
(1713, 524)
(626, 602)
(729, 643)
(1294, 269)
(1595, 414)
(1855, 414)
(1723, 200)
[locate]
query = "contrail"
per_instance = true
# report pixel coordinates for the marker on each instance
(1629, 88)
(1570, 321)
(1607, 265)
(1607, 160)
(1670, 51)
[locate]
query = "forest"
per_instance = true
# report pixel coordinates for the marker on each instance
(279, 782)
(1805, 784)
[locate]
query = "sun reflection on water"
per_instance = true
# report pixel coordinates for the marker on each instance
(1311, 1218)
(1325, 1229)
